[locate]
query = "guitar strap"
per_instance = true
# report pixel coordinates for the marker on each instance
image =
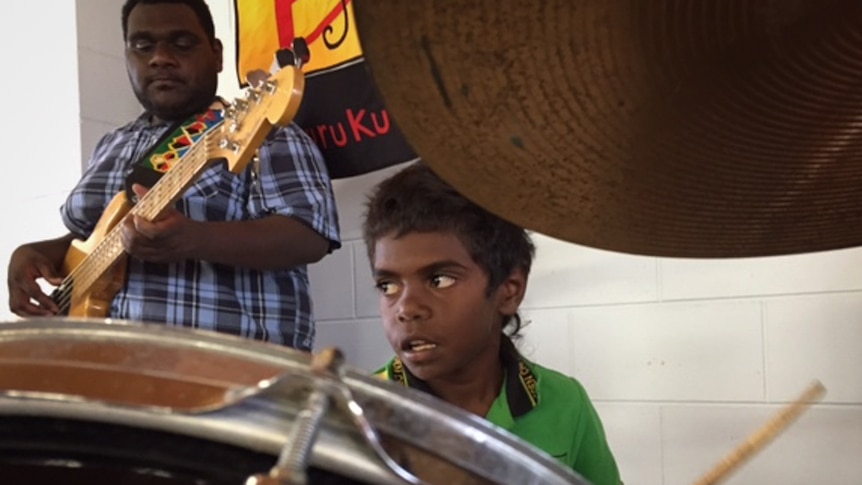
(170, 148)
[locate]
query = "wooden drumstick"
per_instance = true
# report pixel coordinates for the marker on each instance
(760, 438)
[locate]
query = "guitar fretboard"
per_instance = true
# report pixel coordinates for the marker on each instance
(159, 198)
(235, 138)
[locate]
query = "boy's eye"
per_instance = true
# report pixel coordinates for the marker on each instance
(442, 281)
(387, 288)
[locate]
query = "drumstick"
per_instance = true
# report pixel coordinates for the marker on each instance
(760, 438)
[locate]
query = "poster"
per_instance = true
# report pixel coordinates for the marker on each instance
(342, 110)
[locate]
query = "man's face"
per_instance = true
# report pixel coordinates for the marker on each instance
(436, 311)
(172, 65)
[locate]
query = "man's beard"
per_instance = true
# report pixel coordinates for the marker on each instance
(180, 109)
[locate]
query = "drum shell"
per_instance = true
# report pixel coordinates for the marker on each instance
(441, 443)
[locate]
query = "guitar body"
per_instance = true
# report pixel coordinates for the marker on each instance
(95, 301)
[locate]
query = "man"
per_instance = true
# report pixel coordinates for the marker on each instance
(232, 255)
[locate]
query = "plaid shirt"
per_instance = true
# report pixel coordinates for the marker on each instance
(275, 306)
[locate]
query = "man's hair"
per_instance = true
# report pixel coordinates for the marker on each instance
(416, 200)
(200, 8)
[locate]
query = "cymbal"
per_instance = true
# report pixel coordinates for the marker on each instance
(708, 129)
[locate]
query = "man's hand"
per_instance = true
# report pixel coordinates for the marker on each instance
(28, 264)
(166, 239)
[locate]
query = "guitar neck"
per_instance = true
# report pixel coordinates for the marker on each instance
(272, 103)
(174, 182)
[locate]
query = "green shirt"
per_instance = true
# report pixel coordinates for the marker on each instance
(547, 409)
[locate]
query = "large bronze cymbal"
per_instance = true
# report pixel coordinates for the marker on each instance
(683, 128)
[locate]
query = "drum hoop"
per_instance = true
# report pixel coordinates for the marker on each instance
(258, 422)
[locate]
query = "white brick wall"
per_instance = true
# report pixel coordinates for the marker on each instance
(41, 124)
(684, 358)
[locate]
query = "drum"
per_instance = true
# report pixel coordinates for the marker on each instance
(112, 402)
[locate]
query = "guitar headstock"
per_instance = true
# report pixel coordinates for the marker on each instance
(248, 120)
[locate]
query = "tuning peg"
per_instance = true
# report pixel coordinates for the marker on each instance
(240, 104)
(270, 87)
(295, 56)
(300, 50)
(229, 145)
(252, 95)
(285, 57)
(256, 77)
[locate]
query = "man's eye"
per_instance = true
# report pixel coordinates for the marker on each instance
(442, 281)
(386, 288)
(178, 44)
(141, 45)
(184, 43)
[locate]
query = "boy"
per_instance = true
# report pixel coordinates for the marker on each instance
(451, 277)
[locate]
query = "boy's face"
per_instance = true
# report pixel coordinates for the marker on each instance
(436, 311)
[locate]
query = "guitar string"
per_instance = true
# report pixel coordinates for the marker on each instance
(95, 266)
(102, 257)
(84, 271)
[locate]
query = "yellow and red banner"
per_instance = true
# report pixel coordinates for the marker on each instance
(264, 27)
(342, 110)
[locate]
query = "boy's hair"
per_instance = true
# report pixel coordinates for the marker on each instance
(201, 9)
(417, 200)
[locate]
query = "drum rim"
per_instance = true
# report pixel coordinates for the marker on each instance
(254, 422)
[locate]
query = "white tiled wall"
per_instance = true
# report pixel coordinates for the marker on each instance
(105, 96)
(42, 139)
(779, 275)
(821, 447)
(568, 275)
(815, 337)
(684, 358)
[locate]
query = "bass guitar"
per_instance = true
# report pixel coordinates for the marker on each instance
(95, 268)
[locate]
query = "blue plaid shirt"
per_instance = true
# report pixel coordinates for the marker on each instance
(275, 306)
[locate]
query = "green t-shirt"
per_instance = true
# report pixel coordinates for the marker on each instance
(547, 409)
